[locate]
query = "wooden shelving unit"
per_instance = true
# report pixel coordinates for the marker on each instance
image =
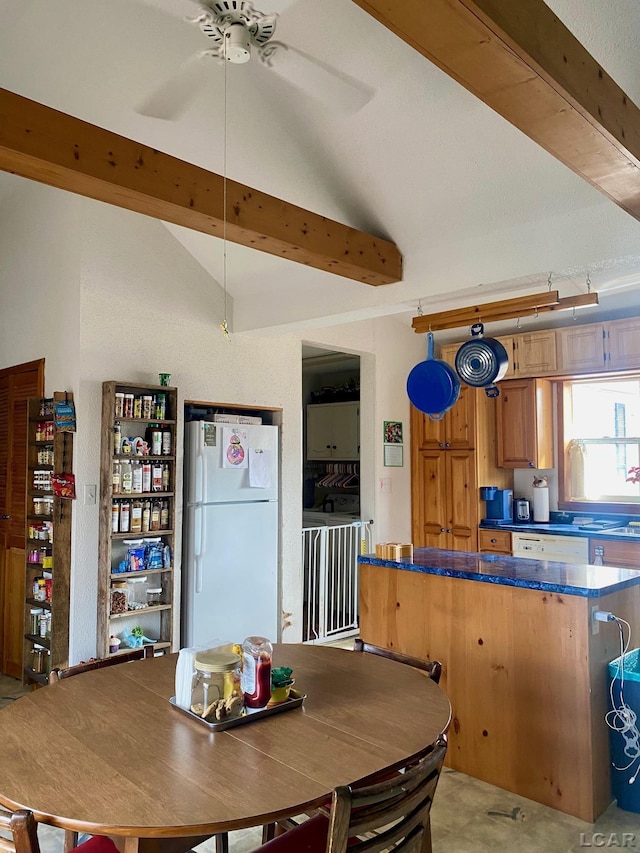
(156, 621)
(47, 537)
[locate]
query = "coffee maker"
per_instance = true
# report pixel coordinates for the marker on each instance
(499, 503)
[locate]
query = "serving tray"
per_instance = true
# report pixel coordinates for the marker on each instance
(249, 715)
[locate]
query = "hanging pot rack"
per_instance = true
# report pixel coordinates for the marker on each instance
(507, 309)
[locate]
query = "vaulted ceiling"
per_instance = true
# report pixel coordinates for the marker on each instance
(477, 210)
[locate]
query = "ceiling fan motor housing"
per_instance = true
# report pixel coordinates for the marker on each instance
(237, 46)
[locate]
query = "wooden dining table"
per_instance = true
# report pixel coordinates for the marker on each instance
(106, 752)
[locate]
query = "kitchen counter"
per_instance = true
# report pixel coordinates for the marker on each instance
(524, 663)
(582, 580)
(560, 530)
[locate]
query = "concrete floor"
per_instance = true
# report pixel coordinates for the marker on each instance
(468, 816)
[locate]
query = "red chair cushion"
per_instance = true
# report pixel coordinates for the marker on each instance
(97, 844)
(310, 836)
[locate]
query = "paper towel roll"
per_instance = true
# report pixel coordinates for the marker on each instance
(541, 504)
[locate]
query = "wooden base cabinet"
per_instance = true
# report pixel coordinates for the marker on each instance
(446, 500)
(450, 459)
(622, 553)
(525, 675)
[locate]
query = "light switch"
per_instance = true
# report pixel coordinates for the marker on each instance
(90, 491)
(385, 485)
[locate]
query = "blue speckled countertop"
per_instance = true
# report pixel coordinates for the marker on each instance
(558, 530)
(583, 580)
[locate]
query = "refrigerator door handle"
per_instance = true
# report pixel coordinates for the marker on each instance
(199, 479)
(200, 544)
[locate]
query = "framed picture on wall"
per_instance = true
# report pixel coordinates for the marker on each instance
(392, 432)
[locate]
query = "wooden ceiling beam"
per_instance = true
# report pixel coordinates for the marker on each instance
(48, 146)
(524, 63)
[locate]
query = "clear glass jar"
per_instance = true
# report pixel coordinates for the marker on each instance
(256, 671)
(154, 596)
(119, 598)
(38, 659)
(215, 688)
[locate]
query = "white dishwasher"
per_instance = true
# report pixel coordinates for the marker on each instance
(540, 546)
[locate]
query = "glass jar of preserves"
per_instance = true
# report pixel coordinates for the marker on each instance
(216, 688)
(256, 671)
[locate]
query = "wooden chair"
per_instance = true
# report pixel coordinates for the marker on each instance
(21, 826)
(433, 668)
(122, 657)
(393, 814)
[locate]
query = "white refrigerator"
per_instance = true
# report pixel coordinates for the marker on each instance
(230, 571)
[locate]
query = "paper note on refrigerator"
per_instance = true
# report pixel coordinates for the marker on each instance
(259, 468)
(234, 448)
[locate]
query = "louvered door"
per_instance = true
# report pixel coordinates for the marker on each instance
(17, 384)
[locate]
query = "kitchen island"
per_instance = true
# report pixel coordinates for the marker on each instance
(524, 663)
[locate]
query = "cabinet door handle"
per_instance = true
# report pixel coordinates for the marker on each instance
(328, 447)
(440, 444)
(447, 444)
(448, 530)
(442, 530)
(531, 465)
(493, 541)
(6, 517)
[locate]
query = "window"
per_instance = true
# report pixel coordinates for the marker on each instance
(601, 424)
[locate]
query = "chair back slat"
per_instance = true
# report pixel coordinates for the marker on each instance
(397, 808)
(122, 657)
(433, 668)
(22, 828)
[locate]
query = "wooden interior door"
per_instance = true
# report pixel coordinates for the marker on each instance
(17, 384)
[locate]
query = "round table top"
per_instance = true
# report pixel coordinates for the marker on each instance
(105, 752)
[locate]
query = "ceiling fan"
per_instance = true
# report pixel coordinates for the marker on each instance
(239, 31)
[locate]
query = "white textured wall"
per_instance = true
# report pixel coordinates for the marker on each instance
(39, 282)
(136, 303)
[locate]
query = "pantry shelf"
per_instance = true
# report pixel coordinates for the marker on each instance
(137, 525)
(47, 541)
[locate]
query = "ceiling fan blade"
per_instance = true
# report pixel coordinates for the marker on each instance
(331, 87)
(172, 98)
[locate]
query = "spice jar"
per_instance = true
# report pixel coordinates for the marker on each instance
(38, 659)
(34, 615)
(216, 680)
(256, 671)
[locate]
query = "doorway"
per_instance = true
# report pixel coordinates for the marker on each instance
(331, 534)
(17, 384)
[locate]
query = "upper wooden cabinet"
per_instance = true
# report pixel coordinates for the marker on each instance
(582, 348)
(524, 424)
(614, 345)
(530, 353)
(623, 344)
(455, 430)
(535, 353)
(333, 431)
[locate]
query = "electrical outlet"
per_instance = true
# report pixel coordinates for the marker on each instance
(595, 625)
(90, 492)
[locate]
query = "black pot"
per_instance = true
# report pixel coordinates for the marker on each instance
(432, 385)
(481, 362)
